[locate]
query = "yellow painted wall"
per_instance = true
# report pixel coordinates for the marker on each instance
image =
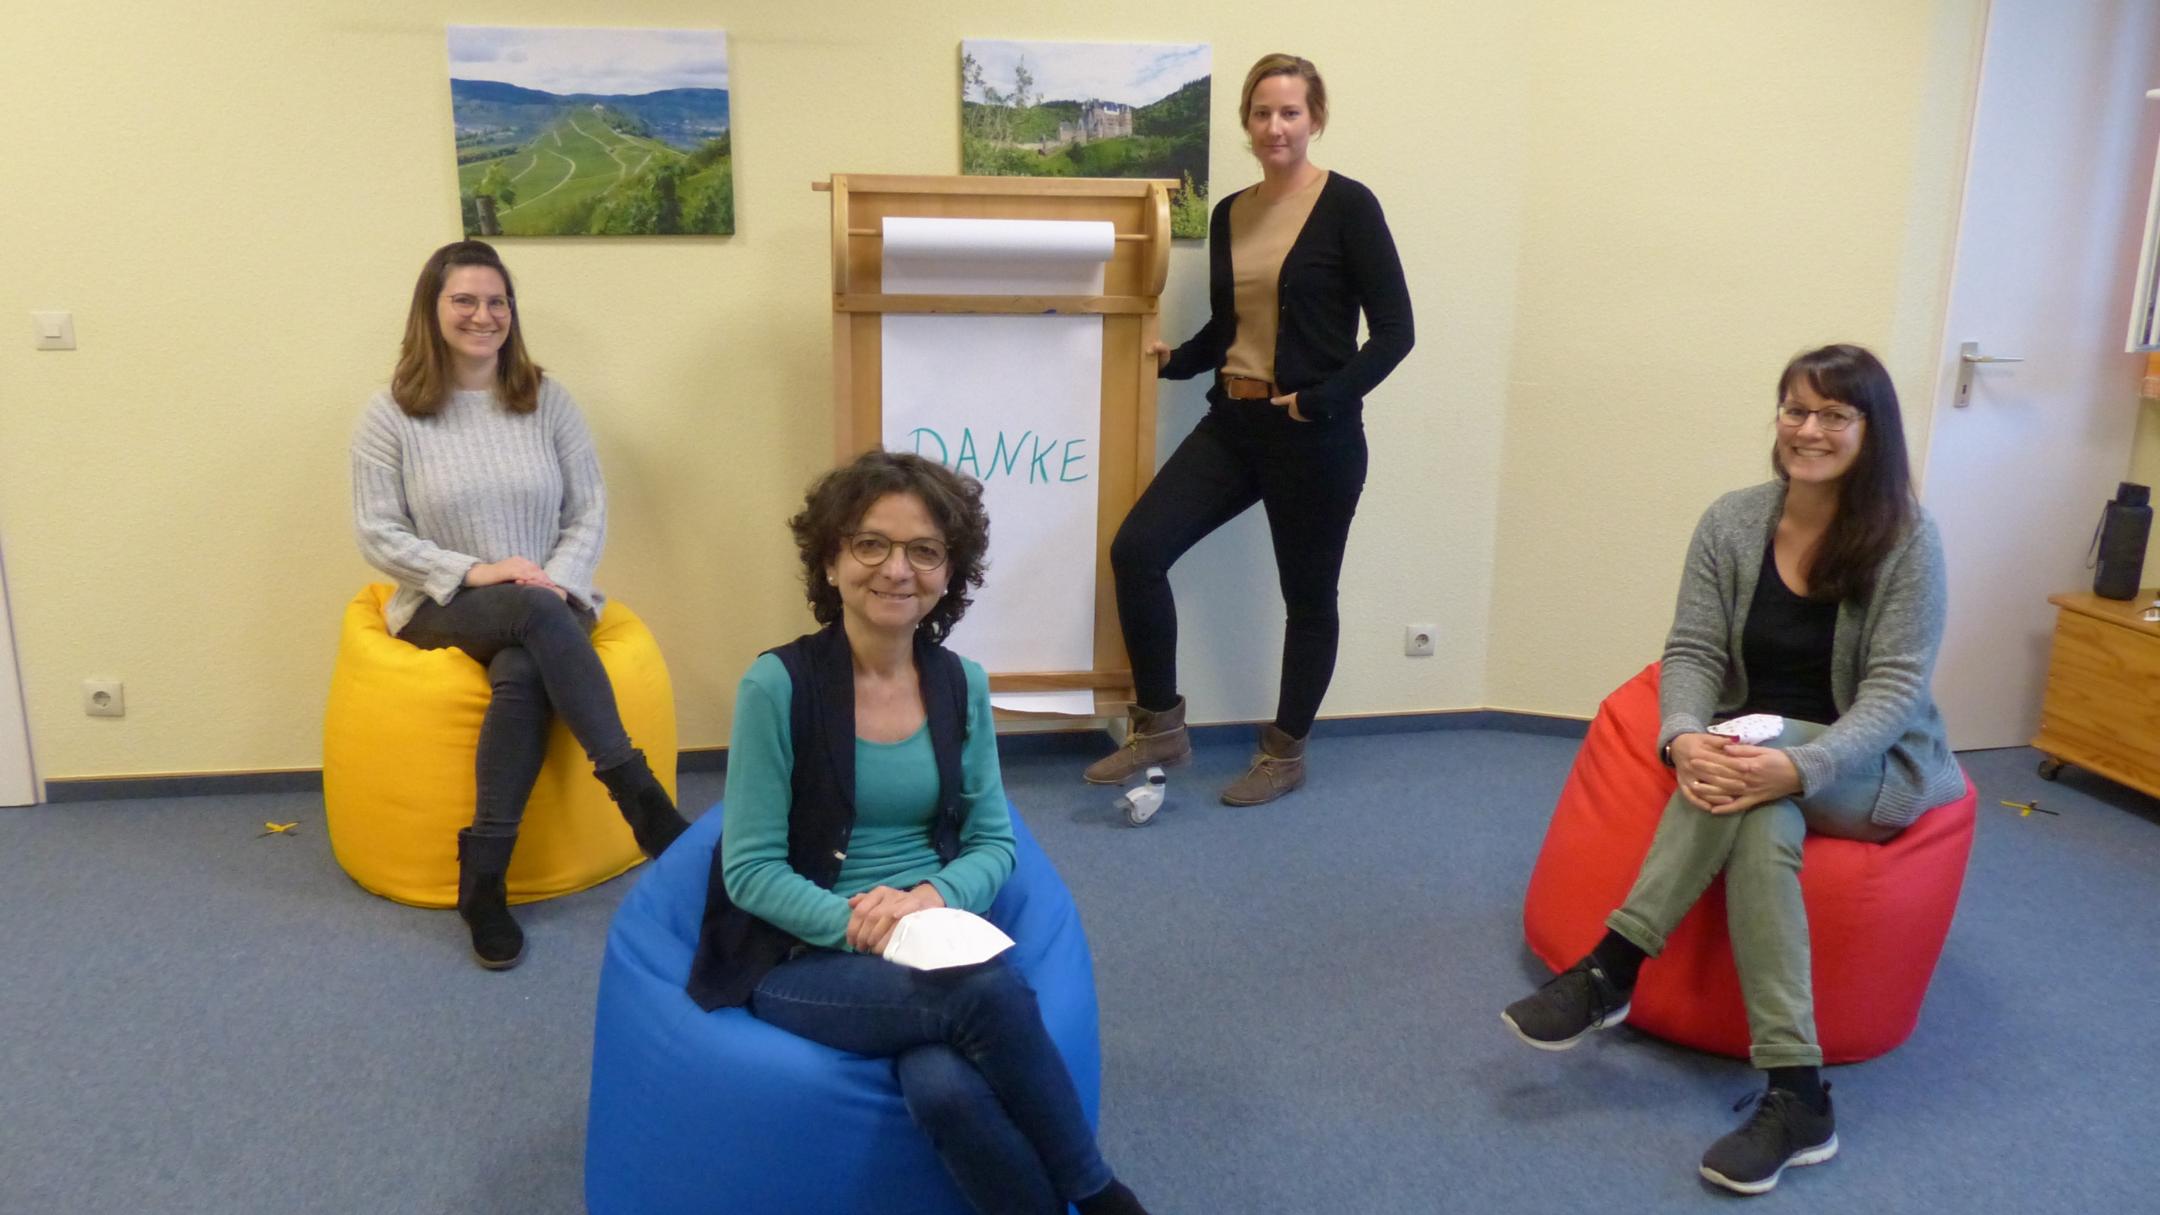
(1617, 220)
(1712, 188)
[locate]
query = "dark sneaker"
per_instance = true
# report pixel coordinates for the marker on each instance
(1578, 1000)
(1782, 1131)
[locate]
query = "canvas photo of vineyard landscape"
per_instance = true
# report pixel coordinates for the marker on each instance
(1090, 109)
(592, 132)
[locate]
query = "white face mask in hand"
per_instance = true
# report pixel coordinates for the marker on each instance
(938, 938)
(1755, 729)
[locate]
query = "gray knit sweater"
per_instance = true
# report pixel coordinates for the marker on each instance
(1881, 658)
(435, 496)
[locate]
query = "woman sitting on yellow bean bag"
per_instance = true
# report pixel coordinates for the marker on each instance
(476, 487)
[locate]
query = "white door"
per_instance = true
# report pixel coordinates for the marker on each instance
(2055, 187)
(18, 781)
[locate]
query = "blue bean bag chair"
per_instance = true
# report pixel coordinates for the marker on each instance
(719, 1112)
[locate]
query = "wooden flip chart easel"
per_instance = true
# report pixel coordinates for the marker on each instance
(1139, 211)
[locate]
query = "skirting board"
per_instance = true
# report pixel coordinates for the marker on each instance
(1083, 741)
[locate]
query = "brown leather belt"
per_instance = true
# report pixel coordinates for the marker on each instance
(1244, 388)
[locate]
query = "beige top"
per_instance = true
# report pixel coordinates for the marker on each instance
(1261, 234)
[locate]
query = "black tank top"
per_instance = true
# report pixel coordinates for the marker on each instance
(1785, 650)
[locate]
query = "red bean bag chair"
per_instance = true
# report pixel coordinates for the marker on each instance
(1877, 913)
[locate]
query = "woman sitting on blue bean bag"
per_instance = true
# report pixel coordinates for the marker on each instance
(862, 786)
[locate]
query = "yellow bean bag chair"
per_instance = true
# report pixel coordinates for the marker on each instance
(399, 737)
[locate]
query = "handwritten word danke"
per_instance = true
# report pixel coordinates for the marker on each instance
(1027, 457)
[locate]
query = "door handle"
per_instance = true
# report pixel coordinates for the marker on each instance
(1969, 357)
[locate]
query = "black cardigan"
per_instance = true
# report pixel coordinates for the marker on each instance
(735, 949)
(1342, 259)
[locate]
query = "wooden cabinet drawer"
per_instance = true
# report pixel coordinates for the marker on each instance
(2102, 709)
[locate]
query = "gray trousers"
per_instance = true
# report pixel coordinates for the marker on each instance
(1758, 851)
(540, 662)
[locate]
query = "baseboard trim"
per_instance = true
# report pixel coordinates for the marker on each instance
(701, 759)
(1089, 738)
(182, 784)
(1081, 740)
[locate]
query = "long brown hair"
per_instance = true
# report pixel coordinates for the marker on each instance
(422, 382)
(1875, 497)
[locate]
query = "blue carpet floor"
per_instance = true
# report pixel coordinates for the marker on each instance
(1300, 1012)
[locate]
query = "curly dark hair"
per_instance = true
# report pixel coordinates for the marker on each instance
(838, 500)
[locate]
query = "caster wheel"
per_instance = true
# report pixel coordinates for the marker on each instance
(2050, 769)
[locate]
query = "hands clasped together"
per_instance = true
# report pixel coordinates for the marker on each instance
(875, 912)
(513, 569)
(1721, 776)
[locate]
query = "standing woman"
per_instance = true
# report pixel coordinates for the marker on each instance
(476, 487)
(1291, 261)
(1819, 597)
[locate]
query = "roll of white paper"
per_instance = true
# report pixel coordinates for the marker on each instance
(930, 256)
(922, 238)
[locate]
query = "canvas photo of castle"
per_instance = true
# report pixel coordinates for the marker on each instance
(592, 132)
(1090, 109)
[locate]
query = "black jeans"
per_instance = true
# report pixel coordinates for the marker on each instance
(540, 660)
(1309, 476)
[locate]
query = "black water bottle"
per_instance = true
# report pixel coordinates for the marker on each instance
(2123, 529)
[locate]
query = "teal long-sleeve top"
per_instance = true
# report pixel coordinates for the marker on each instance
(896, 797)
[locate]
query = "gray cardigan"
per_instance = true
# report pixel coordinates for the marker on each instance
(1881, 659)
(435, 496)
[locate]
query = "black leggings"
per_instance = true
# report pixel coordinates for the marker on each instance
(540, 661)
(1309, 476)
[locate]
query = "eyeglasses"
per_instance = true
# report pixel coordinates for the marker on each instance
(466, 305)
(1832, 418)
(871, 548)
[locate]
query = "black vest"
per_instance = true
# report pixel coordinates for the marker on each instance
(735, 948)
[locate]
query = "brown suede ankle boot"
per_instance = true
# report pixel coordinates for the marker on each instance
(1277, 768)
(1153, 738)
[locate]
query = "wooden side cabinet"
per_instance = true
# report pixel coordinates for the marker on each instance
(2102, 710)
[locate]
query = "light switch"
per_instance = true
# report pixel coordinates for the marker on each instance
(55, 330)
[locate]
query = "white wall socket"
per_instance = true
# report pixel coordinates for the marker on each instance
(1417, 639)
(104, 698)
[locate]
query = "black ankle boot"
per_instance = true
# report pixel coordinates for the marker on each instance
(1114, 1199)
(497, 941)
(644, 803)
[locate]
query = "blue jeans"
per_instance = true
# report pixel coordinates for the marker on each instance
(540, 661)
(980, 1074)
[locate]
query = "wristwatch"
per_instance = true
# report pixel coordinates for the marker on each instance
(1665, 753)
